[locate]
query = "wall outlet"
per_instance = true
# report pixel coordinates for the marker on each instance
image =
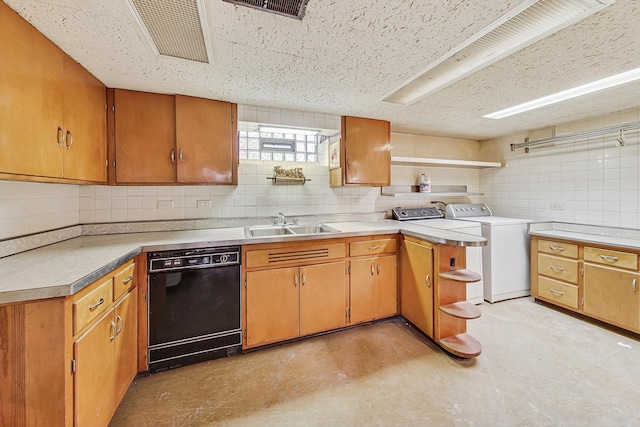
(557, 206)
(165, 204)
(204, 203)
(355, 200)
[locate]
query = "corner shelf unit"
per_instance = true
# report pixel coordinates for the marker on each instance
(421, 161)
(454, 311)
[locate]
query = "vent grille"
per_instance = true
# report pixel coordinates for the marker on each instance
(174, 27)
(297, 255)
(291, 8)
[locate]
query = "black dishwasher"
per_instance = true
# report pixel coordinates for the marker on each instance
(194, 306)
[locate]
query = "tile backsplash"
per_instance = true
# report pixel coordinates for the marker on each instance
(593, 181)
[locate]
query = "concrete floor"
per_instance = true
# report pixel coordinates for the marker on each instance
(539, 367)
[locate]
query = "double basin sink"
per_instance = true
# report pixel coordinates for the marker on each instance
(287, 230)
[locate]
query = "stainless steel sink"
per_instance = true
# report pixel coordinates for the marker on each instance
(287, 230)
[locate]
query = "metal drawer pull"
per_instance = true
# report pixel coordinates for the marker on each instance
(304, 279)
(69, 140)
(112, 331)
(427, 280)
(378, 269)
(96, 305)
(181, 156)
(634, 283)
(556, 292)
(556, 248)
(295, 280)
(553, 267)
(373, 248)
(373, 271)
(121, 321)
(60, 136)
(173, 156)
(127, 280)
(609, 258)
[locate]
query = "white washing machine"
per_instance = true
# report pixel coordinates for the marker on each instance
(432, 217)
(506, 258)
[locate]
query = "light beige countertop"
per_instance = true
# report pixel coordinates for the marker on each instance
(608, 236)
(63, 268)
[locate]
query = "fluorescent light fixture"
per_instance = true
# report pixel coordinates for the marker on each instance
(598, 85)
(288, 130)
(529, 22)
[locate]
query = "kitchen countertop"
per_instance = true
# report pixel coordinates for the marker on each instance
(63, 268)
(609, 236)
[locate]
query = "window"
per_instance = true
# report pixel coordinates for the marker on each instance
(279, 147)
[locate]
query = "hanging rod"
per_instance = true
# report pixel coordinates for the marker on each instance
(611, 130)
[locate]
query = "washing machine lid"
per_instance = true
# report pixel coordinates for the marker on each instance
(444, 224)
(495, 220)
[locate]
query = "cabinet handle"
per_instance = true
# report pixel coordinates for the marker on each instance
(127, 280)
(634, 286)
(295, 280)
(69, 140)
(181, 157)
(173, 155)
(373, 271)
(373, 248)
(556, 292)
(96, 305)
(427, 280)
(304, 279)
(378, 269)
(60, 136)
(609, 258)
(553, 267)
(120, 320)
(556, 248)
(112, 331)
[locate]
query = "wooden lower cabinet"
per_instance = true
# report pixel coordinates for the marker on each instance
(611, 294)
(373, 288)
(416, 284)
(286, 303)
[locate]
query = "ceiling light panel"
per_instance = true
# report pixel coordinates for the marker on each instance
(521, 27)
(173, 27)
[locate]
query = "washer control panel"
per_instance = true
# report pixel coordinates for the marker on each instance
(465, 210)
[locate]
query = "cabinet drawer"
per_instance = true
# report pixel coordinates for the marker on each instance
(559, 292)
(372, 247)
(92, 304)
(563, 249)
(559, 268)
(123, 281)
(609, 257)
(294, 255)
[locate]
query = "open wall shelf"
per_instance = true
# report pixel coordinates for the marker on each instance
(419, 161)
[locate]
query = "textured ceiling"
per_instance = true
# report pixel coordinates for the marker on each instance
(345, 56)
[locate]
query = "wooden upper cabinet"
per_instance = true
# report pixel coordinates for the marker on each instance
(174, 139)
(366, 151)
(52, 112)
(85, 124)
(145, 137)
(31, 104)
(207, 140)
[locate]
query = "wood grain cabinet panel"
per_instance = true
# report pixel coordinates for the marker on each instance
(145, 134)
(31, 110)
(207, 147)
(416, 285)
(373, 288)
(322, 297)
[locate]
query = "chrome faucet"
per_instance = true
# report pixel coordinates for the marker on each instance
(284, 219)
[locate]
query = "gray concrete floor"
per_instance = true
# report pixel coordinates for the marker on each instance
(538, 367)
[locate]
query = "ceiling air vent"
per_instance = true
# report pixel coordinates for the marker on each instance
(291, 8)
(172, 27)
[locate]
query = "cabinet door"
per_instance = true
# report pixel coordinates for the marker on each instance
(416, 285)
(126, 343)
(93, 381)
(273, 307)
(206, 133)
(612, 295)
(85, 124)
(322, 297)
(362, 290)
(31, 69)
(386, 290)
(145, 135)
(367, 151)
